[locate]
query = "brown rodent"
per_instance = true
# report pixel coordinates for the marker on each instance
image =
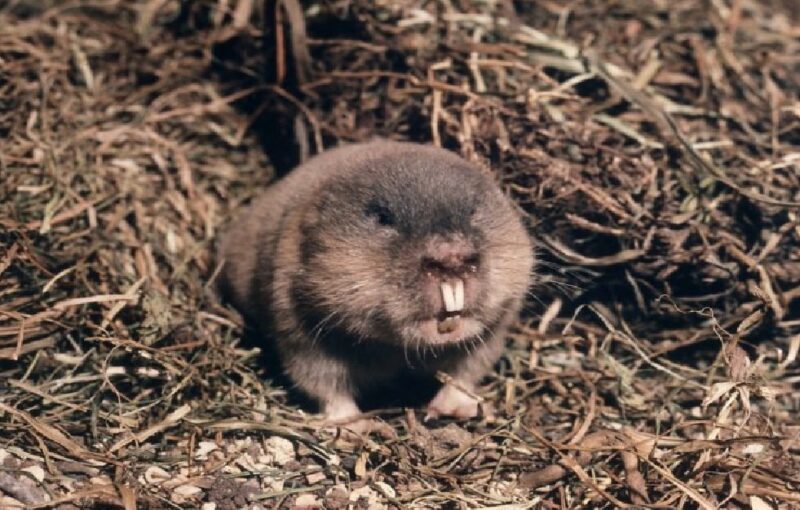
(377, 261)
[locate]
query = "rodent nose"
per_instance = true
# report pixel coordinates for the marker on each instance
(450, 258)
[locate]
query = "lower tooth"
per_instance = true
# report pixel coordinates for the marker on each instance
(448, 325)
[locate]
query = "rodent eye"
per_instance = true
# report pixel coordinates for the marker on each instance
(381, 213)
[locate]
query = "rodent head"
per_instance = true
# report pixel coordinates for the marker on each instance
(415, 246)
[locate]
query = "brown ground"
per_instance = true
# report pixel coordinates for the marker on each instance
(654, 146)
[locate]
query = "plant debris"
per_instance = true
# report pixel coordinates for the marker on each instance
(653, 147)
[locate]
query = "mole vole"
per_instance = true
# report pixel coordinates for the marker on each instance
(377, 261)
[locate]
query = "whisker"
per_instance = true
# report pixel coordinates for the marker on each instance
(537, 298)
(316, 331)
(405, 353)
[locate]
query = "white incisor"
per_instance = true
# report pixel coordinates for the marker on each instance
(453, 295)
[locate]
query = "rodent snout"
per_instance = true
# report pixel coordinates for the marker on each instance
(450, 259)
(450, 266)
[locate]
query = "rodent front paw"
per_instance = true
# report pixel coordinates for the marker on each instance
(356, 429)
(451, 401)
(344, 414)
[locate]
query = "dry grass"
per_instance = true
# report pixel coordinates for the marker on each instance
(654, 147)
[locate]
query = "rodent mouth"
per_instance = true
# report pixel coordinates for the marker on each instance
(448, 322)
(449, 327)
(453, 322)
(449, 319)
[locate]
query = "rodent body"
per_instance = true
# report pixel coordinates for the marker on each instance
(378, 262)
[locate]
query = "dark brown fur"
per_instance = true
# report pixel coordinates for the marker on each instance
(328, 261)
